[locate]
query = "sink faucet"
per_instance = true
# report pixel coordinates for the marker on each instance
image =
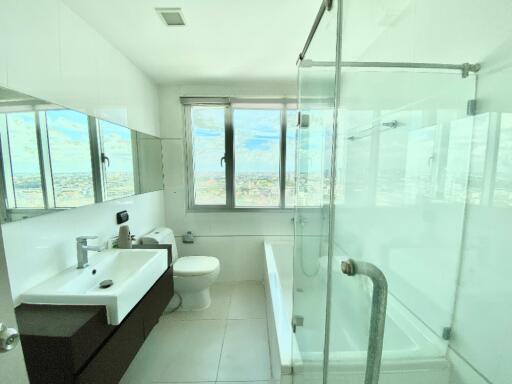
(82, 248)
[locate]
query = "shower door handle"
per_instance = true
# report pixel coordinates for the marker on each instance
(378, 316)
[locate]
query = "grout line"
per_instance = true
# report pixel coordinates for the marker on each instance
(267, 328)
(225, 332)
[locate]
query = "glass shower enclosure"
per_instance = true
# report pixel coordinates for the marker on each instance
(382, 168)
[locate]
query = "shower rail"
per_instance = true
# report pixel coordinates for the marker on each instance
(465, 68)
(378, 316)
(326, 6)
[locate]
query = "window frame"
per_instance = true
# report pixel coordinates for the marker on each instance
(229, 105)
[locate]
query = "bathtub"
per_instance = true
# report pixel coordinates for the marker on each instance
(412, 353)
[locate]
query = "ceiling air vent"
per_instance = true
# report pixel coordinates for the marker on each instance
(172, 17)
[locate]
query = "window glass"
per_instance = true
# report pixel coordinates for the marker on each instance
(257, 157)
(291, 141)
(70, 155)
(503, 184)
(26, 178)
(312, 176)
(117, 160)
(208, 150)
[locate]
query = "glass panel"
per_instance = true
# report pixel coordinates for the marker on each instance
(24, 155)
(312, 214)
(257, 157)
(394, 153)
(118, 165)
(208, 151)
(70, 155)
(291, 144)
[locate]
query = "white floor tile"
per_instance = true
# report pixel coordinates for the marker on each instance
(179, 351)
(203, 347)
(245, 353)
(219, 308)
(248, 301)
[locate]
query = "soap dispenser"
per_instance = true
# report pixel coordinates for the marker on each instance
(125, 238)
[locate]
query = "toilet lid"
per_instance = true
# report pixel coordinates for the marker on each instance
(195, 265)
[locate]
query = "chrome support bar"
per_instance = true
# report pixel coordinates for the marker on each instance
(465, 68)
(326, 6)
(378, 316)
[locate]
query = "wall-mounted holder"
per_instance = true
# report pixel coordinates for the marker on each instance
(188, 238)
(122, 217)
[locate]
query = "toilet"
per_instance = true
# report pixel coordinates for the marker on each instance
(193, 275)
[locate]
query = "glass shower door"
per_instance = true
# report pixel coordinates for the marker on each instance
(314, 149)
(314, 160)
(385, 185)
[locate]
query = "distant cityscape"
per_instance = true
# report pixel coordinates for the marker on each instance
(70, 189)
(254, 190)
(258, 190)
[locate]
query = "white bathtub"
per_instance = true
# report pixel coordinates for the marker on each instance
(412, 353)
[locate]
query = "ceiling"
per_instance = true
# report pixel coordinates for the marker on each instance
(222, 40)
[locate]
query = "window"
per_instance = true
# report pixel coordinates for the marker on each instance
(26, 184)
(117, 159)
(241, 153)
(70, 158)
(291, 144)
(257, 134)
(208, 154)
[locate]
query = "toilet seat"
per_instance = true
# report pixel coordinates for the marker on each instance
(195, 265)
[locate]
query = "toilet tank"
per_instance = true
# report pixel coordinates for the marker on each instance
(161, 235)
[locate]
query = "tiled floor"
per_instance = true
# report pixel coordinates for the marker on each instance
(226, 343)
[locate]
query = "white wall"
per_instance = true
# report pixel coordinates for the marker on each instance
(235, 238)
(50, 53)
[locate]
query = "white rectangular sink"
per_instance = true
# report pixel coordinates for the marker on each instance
(132, 271)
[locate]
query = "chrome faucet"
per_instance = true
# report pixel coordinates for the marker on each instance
(82, 248)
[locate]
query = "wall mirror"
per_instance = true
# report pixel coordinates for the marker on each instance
(53, 158)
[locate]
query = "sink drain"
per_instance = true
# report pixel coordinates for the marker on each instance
(106, 283)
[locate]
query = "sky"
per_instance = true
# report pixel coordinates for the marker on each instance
(256, 140)
(68, 136)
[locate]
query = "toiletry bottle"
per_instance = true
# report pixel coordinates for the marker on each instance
(125, 238)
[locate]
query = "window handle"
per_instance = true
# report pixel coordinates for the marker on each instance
(105, 159)
(222, 160)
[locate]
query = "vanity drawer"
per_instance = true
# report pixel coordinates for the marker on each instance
(58, 340)
(110, 363)
(156, 301)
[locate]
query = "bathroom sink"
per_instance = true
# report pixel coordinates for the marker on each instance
(131, 272)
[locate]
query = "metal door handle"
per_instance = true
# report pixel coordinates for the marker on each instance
(9, 338)
(222, 160)
(378, 316)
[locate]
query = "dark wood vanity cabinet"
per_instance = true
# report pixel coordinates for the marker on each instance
(75, 344)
